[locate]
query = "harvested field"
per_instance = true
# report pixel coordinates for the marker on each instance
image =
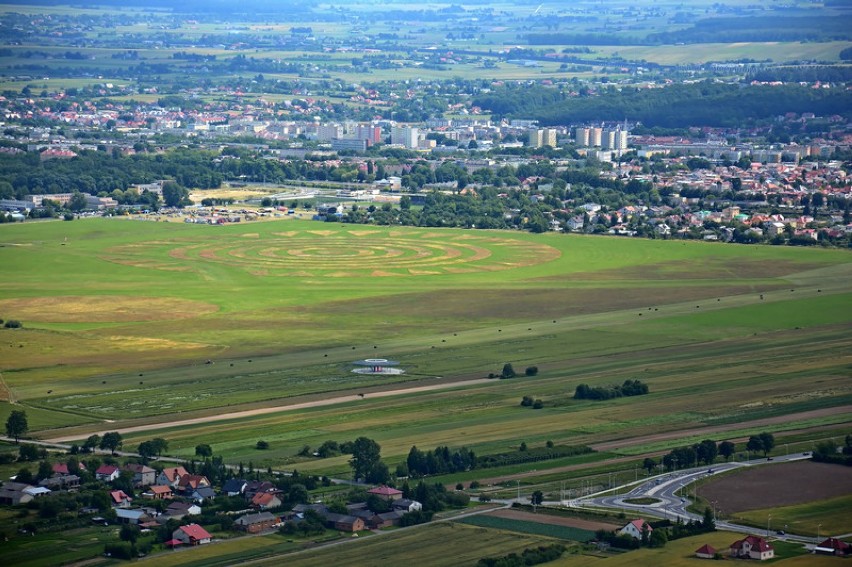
(777, 485)
(552, 520)
(104, 308)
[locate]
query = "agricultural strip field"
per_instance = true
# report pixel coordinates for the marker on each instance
(448, 544)
(722, 334)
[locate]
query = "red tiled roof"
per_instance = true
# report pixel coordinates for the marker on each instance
(706, 549)
(384, 491)
(195, 531)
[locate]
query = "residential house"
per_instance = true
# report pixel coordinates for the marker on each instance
(12, 493)
(107, 473)
(265, 500)
(201, 494)
(752, 547)
(344, 522)
(133, 516)
(833, 546)
(635, 528)
(256, 523)
(178, 510)
(234, 487)
(62, 468)
(189, 483)
(705, 552)
(142, 475)
(170, 476)
(159, 492)
(386, 492)
(376, 521)
(257, 486)
(119, 499)
(68, 482)
(193, 534)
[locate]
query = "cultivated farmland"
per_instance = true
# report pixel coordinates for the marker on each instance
(130, 324)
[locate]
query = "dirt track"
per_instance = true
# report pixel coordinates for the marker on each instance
(276, 409)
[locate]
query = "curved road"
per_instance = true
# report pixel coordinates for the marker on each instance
(671, 505)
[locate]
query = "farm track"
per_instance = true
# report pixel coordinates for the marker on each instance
(277, 409)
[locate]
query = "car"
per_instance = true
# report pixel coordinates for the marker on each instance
(781, 532)
(807, 453)
(709, 471)
(769, 459)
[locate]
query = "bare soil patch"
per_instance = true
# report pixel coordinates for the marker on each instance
(580, 523)
(785, 484)
(103, 309)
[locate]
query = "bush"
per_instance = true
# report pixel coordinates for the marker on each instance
(531, 370)
(262, 445)
(13, 324)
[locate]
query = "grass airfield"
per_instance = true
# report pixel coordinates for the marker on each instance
(121, 316)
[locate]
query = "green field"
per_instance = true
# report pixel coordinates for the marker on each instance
(825, 518)
(282, 308)
(444, 544)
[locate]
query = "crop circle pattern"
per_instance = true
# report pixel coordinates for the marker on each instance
(340, 254)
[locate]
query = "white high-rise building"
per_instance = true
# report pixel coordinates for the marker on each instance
(581, 137)
(595, 136)
(406, 136)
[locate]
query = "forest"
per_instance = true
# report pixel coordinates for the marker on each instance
(677, 106)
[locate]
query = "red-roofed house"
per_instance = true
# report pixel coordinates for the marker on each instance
(834, 546)
(171, 475)
(705, 552)
(634, 528)
(752, 547)
(107, 473)
(191, 482)
(386, 492)
(62, 468)
(159, 492)
(193, 534)
(264, 500)
(119, 499)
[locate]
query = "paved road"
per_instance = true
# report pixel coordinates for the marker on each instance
(665, 488)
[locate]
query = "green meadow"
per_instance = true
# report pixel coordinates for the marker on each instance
(130, 323)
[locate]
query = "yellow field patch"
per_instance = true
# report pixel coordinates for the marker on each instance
(103, 308)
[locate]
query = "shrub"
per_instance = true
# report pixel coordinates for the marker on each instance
(262, 445)
(531, 370)
(13, 324)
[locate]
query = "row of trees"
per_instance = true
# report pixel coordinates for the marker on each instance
(628, 388)
(442, 460)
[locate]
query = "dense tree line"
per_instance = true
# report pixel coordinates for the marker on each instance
(101, 173)
(442, 460)
(628, 388)
(829, 452)
(677, 106)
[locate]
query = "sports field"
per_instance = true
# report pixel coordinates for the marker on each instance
(131, 323)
